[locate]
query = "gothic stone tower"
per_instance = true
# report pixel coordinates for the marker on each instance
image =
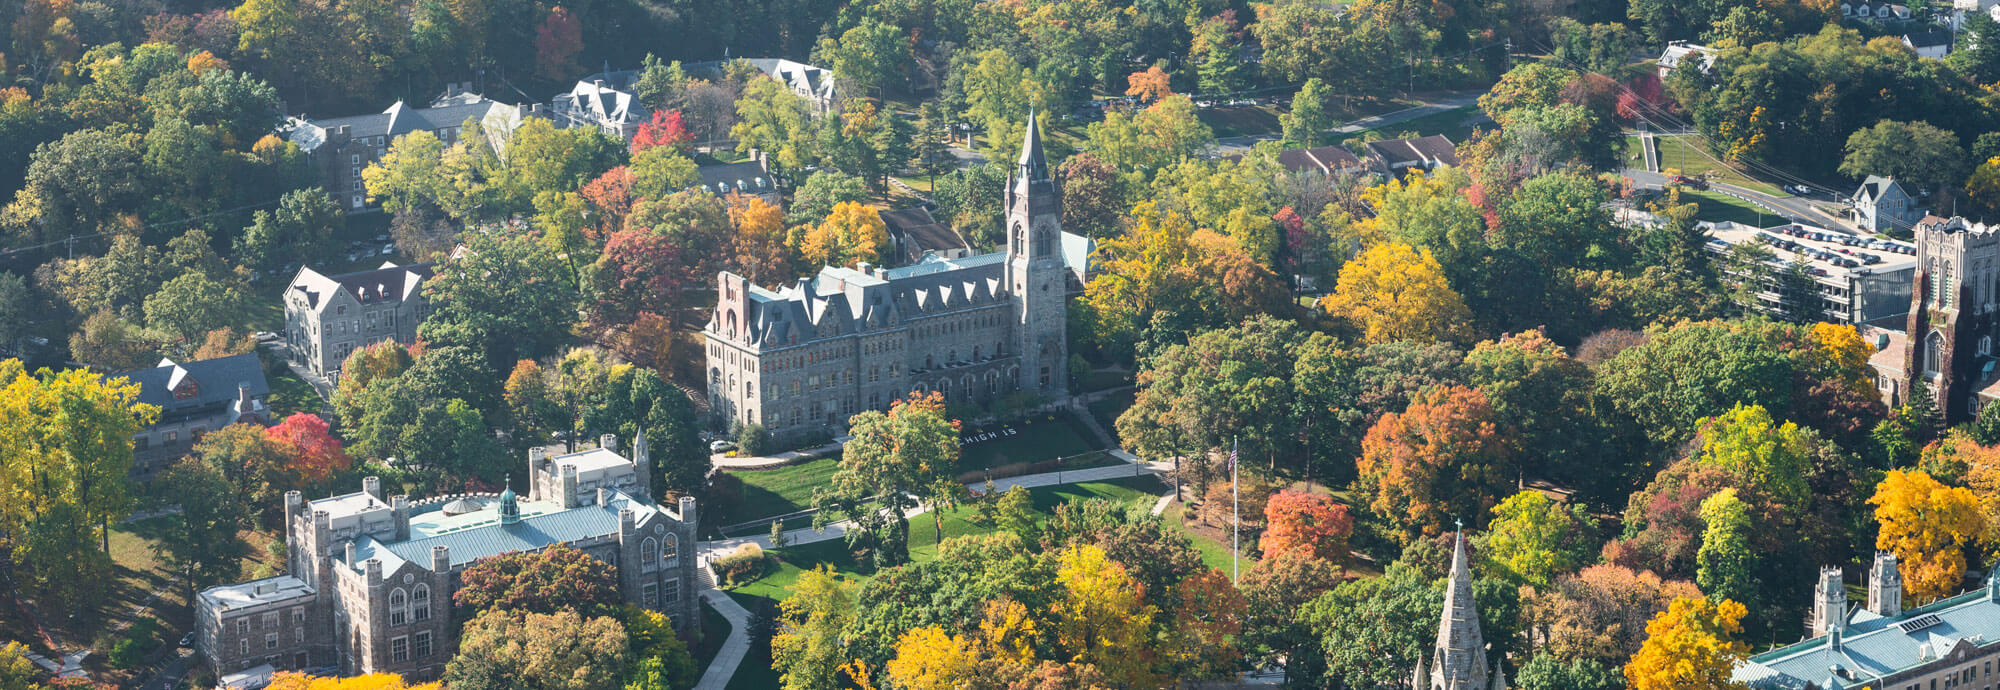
(1951, 312)
(1035, 271)
(1458, 662)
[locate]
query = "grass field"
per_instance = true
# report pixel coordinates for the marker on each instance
(1456, 124)
(924, 534)
(1684, 154)
(755, 672)
(1107, 408)
(1037, 440)
(291, 394)
(714, 629)
(1240, 121)
(784, 490)
(1715, 207)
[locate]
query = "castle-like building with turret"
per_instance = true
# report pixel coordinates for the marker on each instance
(1946, 347)
(1458, 660)
(369, 579)
(802, 359)
(1883, 645)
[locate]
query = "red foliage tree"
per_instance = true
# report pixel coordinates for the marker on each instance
(546, 581)
(1310, 523)
(316, 455)
(557, 41)
(665, 129)
(638, 272)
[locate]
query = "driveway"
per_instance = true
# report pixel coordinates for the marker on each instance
(1791, 209)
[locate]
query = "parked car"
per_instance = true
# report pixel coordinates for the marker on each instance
(187, 640)
(721, 447)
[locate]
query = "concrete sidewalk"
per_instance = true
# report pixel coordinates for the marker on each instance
(723, 666)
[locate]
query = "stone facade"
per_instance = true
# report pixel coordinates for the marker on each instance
(802, 360)
(1954, 313)
(340, 148)
(327, 318)
(369, 580)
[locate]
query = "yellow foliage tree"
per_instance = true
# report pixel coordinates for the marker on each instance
(1840, 349)
(1395, 292)
(929, 658)
(851, 234)
(759, 245)
(374, 681)
(1927, 525)
(1982, 475)
(1102, 618)
(1689, 646)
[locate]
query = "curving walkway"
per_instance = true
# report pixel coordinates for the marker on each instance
(727, 658)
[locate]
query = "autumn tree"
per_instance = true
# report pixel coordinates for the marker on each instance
(666, 128)
(1726, 566)
(1150, 139)
(564, 650)
(1100, 618)
(1442, 457)
(892, 461)
(1396, 292)
(316, 456)
(851, 234)
(16, 671)
(1307, 523)
(557, 41)
(1690, 645)
(1534, 539)
(758, 248)
(1274, 589)
(1092, 203)
(1928, 526)
(659, 658)
(554, 579)
(1600, 613)
(1150, 85)
(65, 463)
(638, 272)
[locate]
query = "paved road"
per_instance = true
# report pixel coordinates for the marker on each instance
(1788, 208)
(1234, 145)
(723, 667)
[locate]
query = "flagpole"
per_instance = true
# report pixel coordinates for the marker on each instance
(1236, 514)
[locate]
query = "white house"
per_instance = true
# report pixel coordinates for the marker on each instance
(1678, 52)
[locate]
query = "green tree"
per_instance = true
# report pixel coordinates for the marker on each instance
(191, 305)
(809, 651)
(660, 661)
(870, 57)
(300, 227)
(1916, 153)
(201, 540)
(1549, 672)
(539, 651)
(505, 297)
(814, 200)
(1727, 566)
(1306, 125)
(998, 92)
(1534, 539)
(1149, 140)
(1218, 65)
(408, 176)
(893, 458)
(773, 119)
(1973, 56)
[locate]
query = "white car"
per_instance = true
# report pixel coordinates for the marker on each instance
(721, 447)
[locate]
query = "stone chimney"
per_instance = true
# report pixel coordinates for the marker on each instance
(603, 497)
(1885, 586)
(608, 442)
(348, 549)
(374, 569)
(399, 508)
(568, 487)
(440, 559)
(372, 486)
(687, 510)
(294, 501)
(626, 523)
(1829, 609)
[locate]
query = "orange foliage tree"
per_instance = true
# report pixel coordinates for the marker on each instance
(759, 244)
(316, 455)
(1442, 458)
(1299, 521)
(1150, 85)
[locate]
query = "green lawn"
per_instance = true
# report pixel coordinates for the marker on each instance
(1685, 155)
(291, 394)
(924, 534)
(787, 489)
(714, 630)
(755, 672)
(1716, 207)
(1214, 551)
(1241, 121)
(1036, 440)
(1101, 379)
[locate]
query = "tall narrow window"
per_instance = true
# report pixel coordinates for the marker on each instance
(420, 603)
(399, 607)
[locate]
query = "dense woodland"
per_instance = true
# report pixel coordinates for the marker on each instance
(1646, 473)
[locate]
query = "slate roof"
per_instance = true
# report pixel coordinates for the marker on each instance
(479, 534)
(920, 231)
(1875, 187)
(748, 177)
(399, 119)
(1872, 647)
(389, 281)
(1928, 38)
(608, 97)
(215, 381)
(1433, 149)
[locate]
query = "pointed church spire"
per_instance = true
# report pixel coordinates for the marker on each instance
(1421, 678)
(1034, 166)
(1458, 661)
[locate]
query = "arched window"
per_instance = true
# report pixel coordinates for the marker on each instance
(420, 603)
(1985, 344)
(992, 383)
(968, 384)
(670, 557)
(399, 606)
(944, 386)
(1933, 353)
(648, 553)
(730, 320)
